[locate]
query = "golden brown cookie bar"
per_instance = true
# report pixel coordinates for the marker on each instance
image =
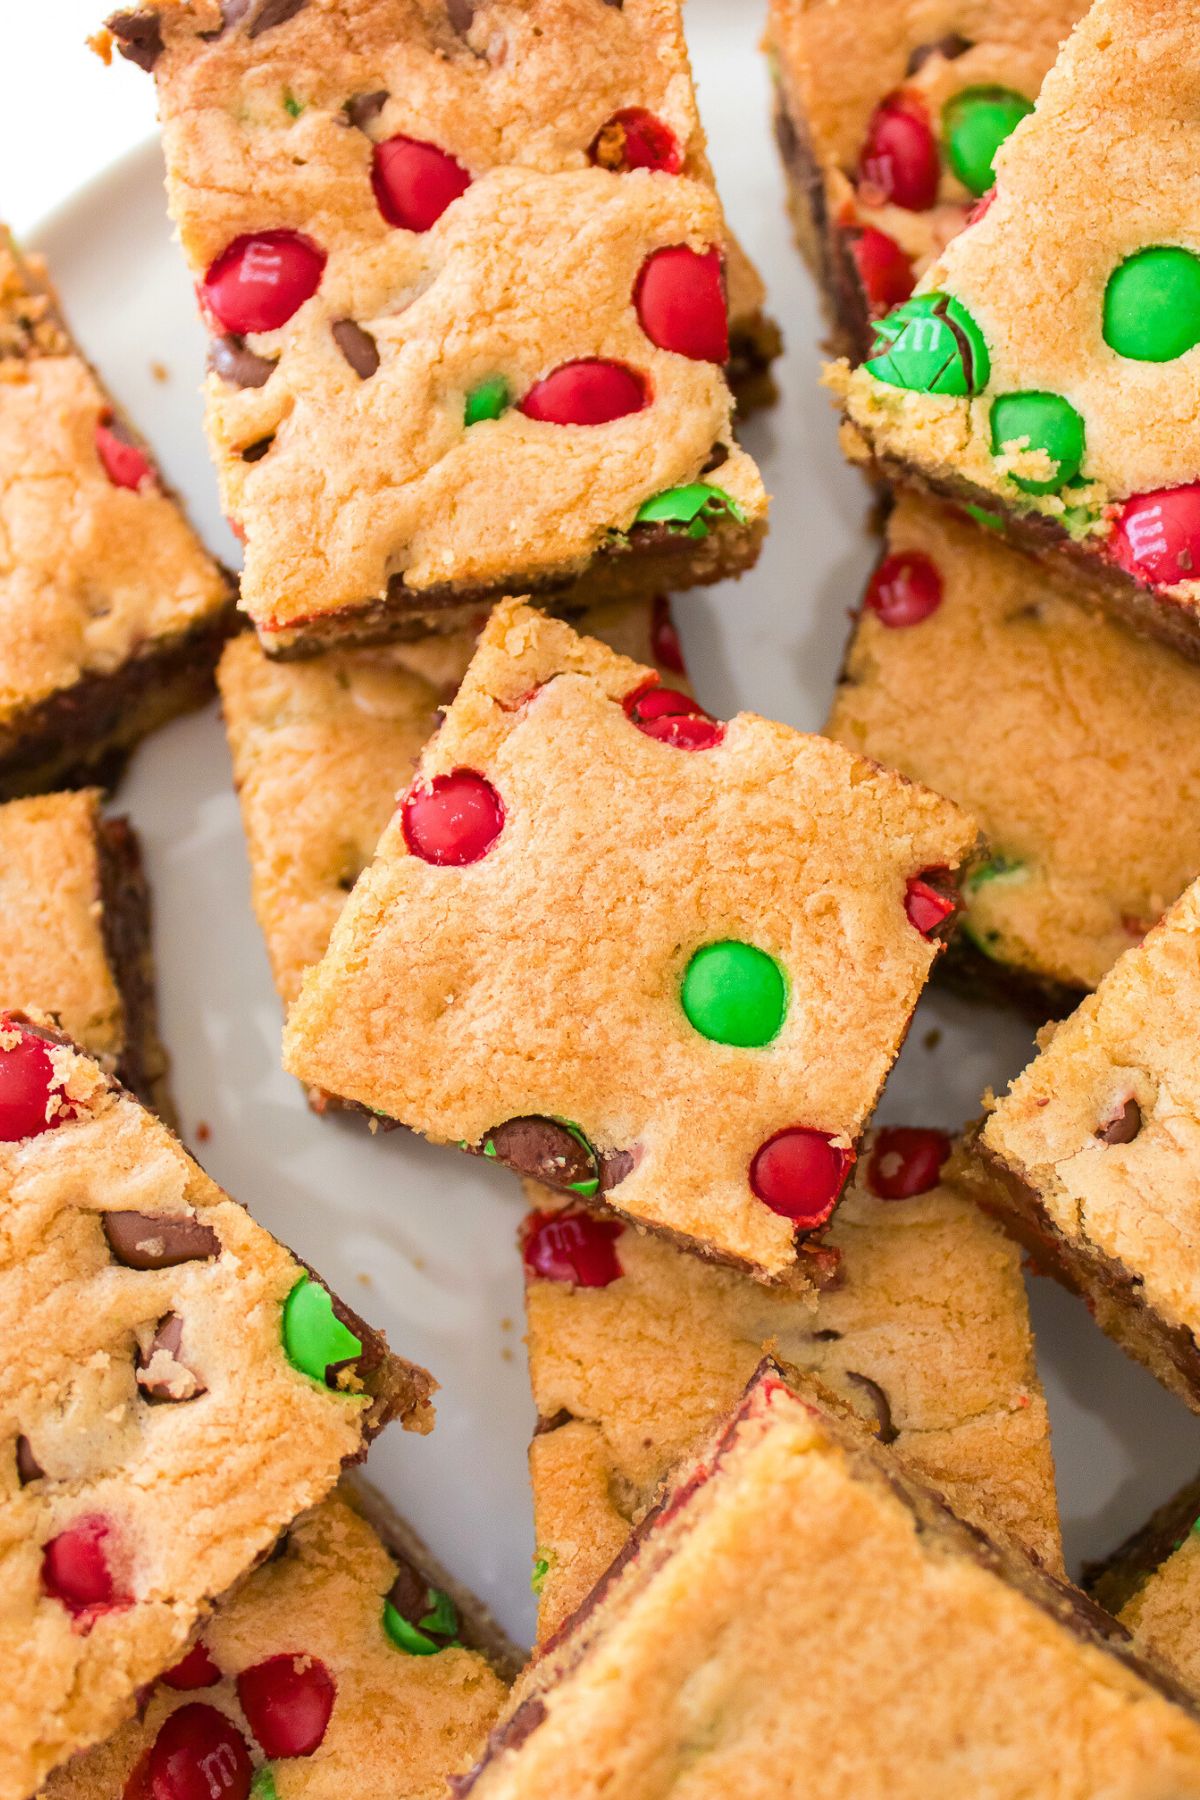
(888, 118)
(1092, 1158)
(322, 749)
(76, 937)
(1074, 743)
(1048, 369)
(625, 948)
(635, 1349)
(800, 1617)
(176, 1389)
(1152, 1583)
(112, 613)
(346, 1663)
(464, 264)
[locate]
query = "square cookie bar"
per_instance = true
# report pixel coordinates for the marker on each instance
(346, 1663)
(625, 948)
(463, 264)
(1092, 1158)
(888, 119)
(176, 1388)
(1152, 1583)
(112, 613)
(322, 748)
(1047, 370)
(1075, 743)
(76, 937)
(800, 1618)
(636, 1349)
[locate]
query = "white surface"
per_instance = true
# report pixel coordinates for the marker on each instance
(420, 1238)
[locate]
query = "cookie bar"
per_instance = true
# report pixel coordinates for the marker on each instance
(1092, 1158)
(463, 268)
(112, 613)
(625, 948)
(1047, 373)
(344, 1664)
(888, 119)
(77, 933)
(322, 747)
(1152, 1583)
(1075, 743)
(176, 1389)
(635, 1349)
(801, 1617)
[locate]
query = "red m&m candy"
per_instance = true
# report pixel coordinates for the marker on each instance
(927, 906)
(287, 1701)
(26, 1084)
(886, 274)
(800, 1173)
(673, 718)
(904, 589)
(125, 463)
(452, 820)
(77, 1567)
(199, 1754)
(1157, 536)
(195, 1670)
(906, 1161)
(260, 281)
(415, 182)
(634, 139)
(575, 1247)
(900, 162)
(680, 301)
(591, 391)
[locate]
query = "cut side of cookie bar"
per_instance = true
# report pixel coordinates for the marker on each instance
(636, 1349)
(463, 265)
(112, 613)
(623, 947)
(801, 1617)
(76, 940)
(888, 122)
(323, 748)
(1152, 1583)
(1075, 743)
(176, 1388)
(345, 1663)
(1047, 371)
(1092, 1158)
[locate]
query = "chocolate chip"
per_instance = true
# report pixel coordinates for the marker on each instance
(887, 1432)
(461, 14)
(28, 1467)
(545, 1150)
(357, 346)
(262, 14)
(951, 47)
(229, 358)
(717, 455)
(171, 1379)
(615, 1165)
(363, 109)
(158, 1241)
(1124, 1125)
(409, 1594)
(255, 452)
(139, 37)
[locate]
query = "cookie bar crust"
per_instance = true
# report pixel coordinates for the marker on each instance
(112, 613)
(176, 1390)
(398, 1709)
(77, 933)
(1152, 1583)
(380, 488)
(793, 1542)
(1064, 401)
(1092, 1155)
(841, 68)
(541, 972)
(636, 1349)
(975, 670)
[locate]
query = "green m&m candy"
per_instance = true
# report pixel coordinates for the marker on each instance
(974, 125)
(734, 993)
(487, 401)
(1036, 421)
(1152, 304)
(263, 1786)
(931, 345)
(694, 509)
(419, 1619)
(314, 1338)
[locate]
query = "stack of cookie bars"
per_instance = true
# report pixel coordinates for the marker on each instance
(479, 335)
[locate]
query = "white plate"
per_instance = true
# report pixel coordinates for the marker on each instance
(423, 1239)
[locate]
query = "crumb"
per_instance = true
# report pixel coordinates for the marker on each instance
(160, 372)
(418, 1262)
(932, 1038)
(506, 1354)
(506, 1325)
(203, 1131)
(364, 1279)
